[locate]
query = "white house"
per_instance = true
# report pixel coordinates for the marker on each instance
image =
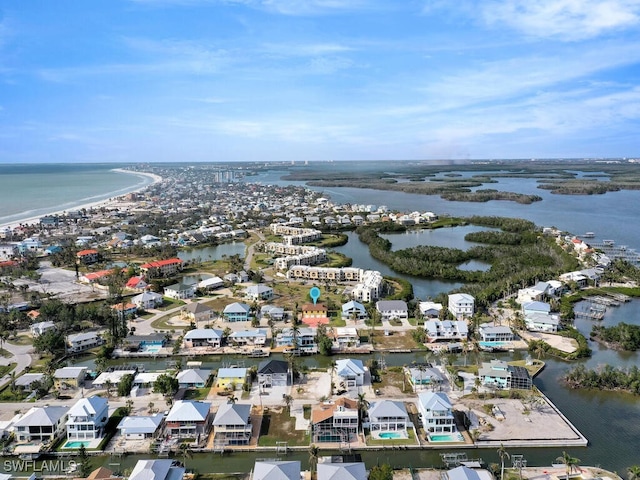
(495, 333)
(140, 427)
(147, 300)
(40, 424)
(258, 292)
(345, 337)
(461, 305)
(256, 337)
(436, 412)
(388, 416)
(84, 341)
(392, 309)
(446, 330)
(162, 469)
(180, 291)
(354, 311)
(430, 309)
(203, 337)
(232, 425)
(87, 418)
(342, 470)
(39, 328)
(350, 372)
(276, 470)
(273, 373)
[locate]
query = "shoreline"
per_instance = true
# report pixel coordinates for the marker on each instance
(95, 204)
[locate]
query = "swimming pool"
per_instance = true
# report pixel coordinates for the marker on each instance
(77, 444)
(391, 435)
(446, 437)
(493, 344)
(150, 347)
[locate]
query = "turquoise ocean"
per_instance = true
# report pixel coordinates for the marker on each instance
(34, 190)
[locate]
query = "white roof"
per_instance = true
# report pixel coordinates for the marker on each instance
(37, 416)
(232, 372)
(232, 414)
(69, 372)
(434, 401)
(277, 470)
(188, 411)
(113, 377)
(342, 471)
(387, 408)
(156, 470)
(88, 406)
(193, 375)
(140, 424)
(202, 333)
(146, 377)
(349, 367)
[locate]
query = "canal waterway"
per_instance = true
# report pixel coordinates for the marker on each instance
(212, 253)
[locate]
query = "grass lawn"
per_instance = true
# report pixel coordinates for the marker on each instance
(6, 395)
(278, 426)
(5, 353)
(393, 377)
(218, 304)
(533, 369)
(21, 340)
(170, 303)
(162, 323)
(196, 393)
(4, 369)
(337, 322)
(394, 441)
(396, 341)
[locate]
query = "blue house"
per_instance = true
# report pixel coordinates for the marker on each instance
(236, 312)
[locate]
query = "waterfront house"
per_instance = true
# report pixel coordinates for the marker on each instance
(161, 469)
(446, 330)
(212, 283)
(69, 377)
(345, 338)
(137, 343)
(162, 268)
(335, 422)
(350, 372)
(538, 317)
(231, 378)
(430, 309)
(236, 312)
(148, 300)
(342, 471)
(423, 374)
(257, 338)
(26, 381)
(40, 424)
(495, 333)
(314, 314)
(87, 418)
(139, 427)
(436, 413)
(273, 373)
(193, 378)
(113, 377)
(180, 291)
(305, 339)
(39, 328)
(197, 312)
(393, 309)
(88, 256)
(188, 419)
(258, 292)
(144, 380)
(203, 337)
(465, 473)
(388, 416)
(461, 305)
(232, 425)
(499, 374)
(277, 470)
(84, 341)
(272, 312)
(353, 310)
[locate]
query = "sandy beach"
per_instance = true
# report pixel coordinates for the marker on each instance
(98, 204)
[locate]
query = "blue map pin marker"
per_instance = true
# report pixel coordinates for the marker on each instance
(315, 294)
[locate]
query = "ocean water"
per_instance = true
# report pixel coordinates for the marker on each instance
(33, 190)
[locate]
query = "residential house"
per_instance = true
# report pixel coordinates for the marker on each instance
(112, 378)
(273, 373)
(180, 291)
(430, 309)
(495, 333)
(39, 328)
(272, 312)
(137, 343)
(538, 317)
(236, 312)
(193, 378)
(212, 283)
(388, 416)
(314, 314)
(40, 424)
(139, 427)
(423, 374)
(88, 256)
(162, 469)
(436, 413)
(276, 470)
(305, 339)
(188, 419)
(257, 337)
(136, 283)
(232, 425)
(258, 293)
(125, 309)
(162, 268)
(461, 305)
(203, 337)
(393, 309)
(231, 378)
(69, 377)
(446, 330)
(26, 381)
(345, 338)
(354, 311)
(148, 300)
(335, 422)
(197, 312)
(87, 418)
(342, 470)
(350, 372)
(84, 341)
(465, 473)
(500, 375)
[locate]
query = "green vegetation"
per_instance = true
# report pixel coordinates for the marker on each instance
(196, 393)
(518, 254)
(621, 336)
(605, 377)
(278, 426)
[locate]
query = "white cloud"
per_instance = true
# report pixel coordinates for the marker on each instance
(563, 19)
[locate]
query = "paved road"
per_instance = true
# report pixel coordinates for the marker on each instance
(19, 354)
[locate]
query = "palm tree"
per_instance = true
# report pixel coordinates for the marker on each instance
(313, 457)
(569, 462)
(332, 371)
(633, 472)
(502, 453)
(232, 399)
(288, 400)
(363, 408)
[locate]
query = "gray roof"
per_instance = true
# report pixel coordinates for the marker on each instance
(387, 408)
(463, 473)
(386, 305)
(69, 372)
(237, 307)
(232, 372)
(188, 411)
(202, 333)
(434, 401)
(193, 375)
(28, 378)
(277, 470)
(346, 366)
(88, 406)
(140, 424)
(273, 366)
(37, 416)
(232, 414)
(156, 470)
(342, 471)
(197, 308)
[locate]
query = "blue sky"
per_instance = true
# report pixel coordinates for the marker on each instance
(222, 80)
